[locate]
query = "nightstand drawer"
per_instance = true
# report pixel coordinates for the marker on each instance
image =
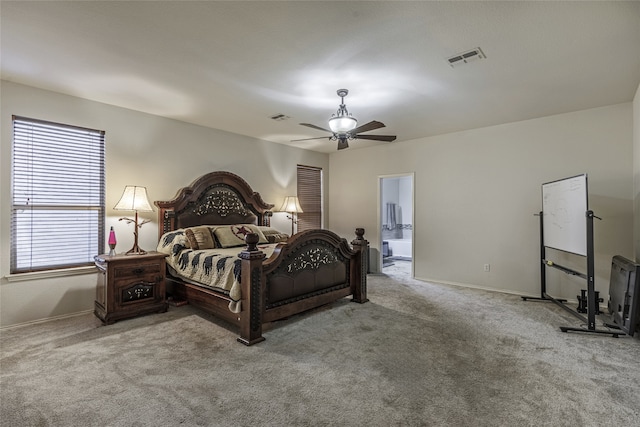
(138, 270)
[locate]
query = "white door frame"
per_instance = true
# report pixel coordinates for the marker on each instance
(380, 216)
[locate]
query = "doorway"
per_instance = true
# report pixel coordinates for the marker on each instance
(396, 224)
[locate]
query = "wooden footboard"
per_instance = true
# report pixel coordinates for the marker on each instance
(313, 268)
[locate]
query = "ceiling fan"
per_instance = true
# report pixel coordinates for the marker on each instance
(343, 127)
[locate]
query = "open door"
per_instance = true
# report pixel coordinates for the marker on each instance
(396, 224)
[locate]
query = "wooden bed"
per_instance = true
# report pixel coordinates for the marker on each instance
(309, 269)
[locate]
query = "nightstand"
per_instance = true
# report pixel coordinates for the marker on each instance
(130, 285)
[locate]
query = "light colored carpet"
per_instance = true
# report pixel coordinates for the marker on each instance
(418, 354)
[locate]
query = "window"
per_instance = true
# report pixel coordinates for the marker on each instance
(57, 205)
(310, 196)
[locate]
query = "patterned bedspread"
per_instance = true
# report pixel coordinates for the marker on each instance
(217, 268)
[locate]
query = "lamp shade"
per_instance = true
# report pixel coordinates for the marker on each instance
(134, 199)
(291, 204)
(342, 124)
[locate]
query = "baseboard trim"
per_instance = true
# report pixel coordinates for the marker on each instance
(46, 319)
(482, 288)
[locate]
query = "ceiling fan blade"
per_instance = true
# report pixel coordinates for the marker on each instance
(316, 127)
(367, 127)
(342, 144)
(309, 139)
(387, 138)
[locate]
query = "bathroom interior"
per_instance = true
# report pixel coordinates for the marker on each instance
(397, 222)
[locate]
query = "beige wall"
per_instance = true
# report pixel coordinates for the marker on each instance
(141, 149)
(476, 193)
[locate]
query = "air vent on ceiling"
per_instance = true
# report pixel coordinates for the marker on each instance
(279, 117)
(466, 57)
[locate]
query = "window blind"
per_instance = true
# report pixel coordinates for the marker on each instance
(58, 195)
(310, 197)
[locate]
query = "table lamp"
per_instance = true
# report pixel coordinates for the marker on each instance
(292, 206)
(135, 199)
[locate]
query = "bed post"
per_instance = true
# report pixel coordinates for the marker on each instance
(166, 220)
(252, 288)
(359, 267)
(266, 218)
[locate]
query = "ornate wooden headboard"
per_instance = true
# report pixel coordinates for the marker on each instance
(213, 199)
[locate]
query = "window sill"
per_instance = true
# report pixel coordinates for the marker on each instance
(38, 275)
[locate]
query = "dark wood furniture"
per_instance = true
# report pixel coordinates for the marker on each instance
(310, 269)
(130, 285)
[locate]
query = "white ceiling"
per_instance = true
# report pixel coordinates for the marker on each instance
(233, 65)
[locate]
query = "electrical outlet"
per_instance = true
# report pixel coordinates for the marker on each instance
(487, 267)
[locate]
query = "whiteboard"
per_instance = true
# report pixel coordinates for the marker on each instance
(564, 214)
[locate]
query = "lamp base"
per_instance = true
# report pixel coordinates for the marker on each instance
(294, 221)
(135, 250)
(132, 252)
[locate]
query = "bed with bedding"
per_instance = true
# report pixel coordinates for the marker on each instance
(225, 258)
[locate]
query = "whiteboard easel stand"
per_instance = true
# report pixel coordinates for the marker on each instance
(590, 320)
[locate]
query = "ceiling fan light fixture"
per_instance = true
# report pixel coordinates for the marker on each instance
(342, 124)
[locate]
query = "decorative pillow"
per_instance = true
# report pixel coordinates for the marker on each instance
(200, 237)
(266, 230)
(277, 237)
(233, 235)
